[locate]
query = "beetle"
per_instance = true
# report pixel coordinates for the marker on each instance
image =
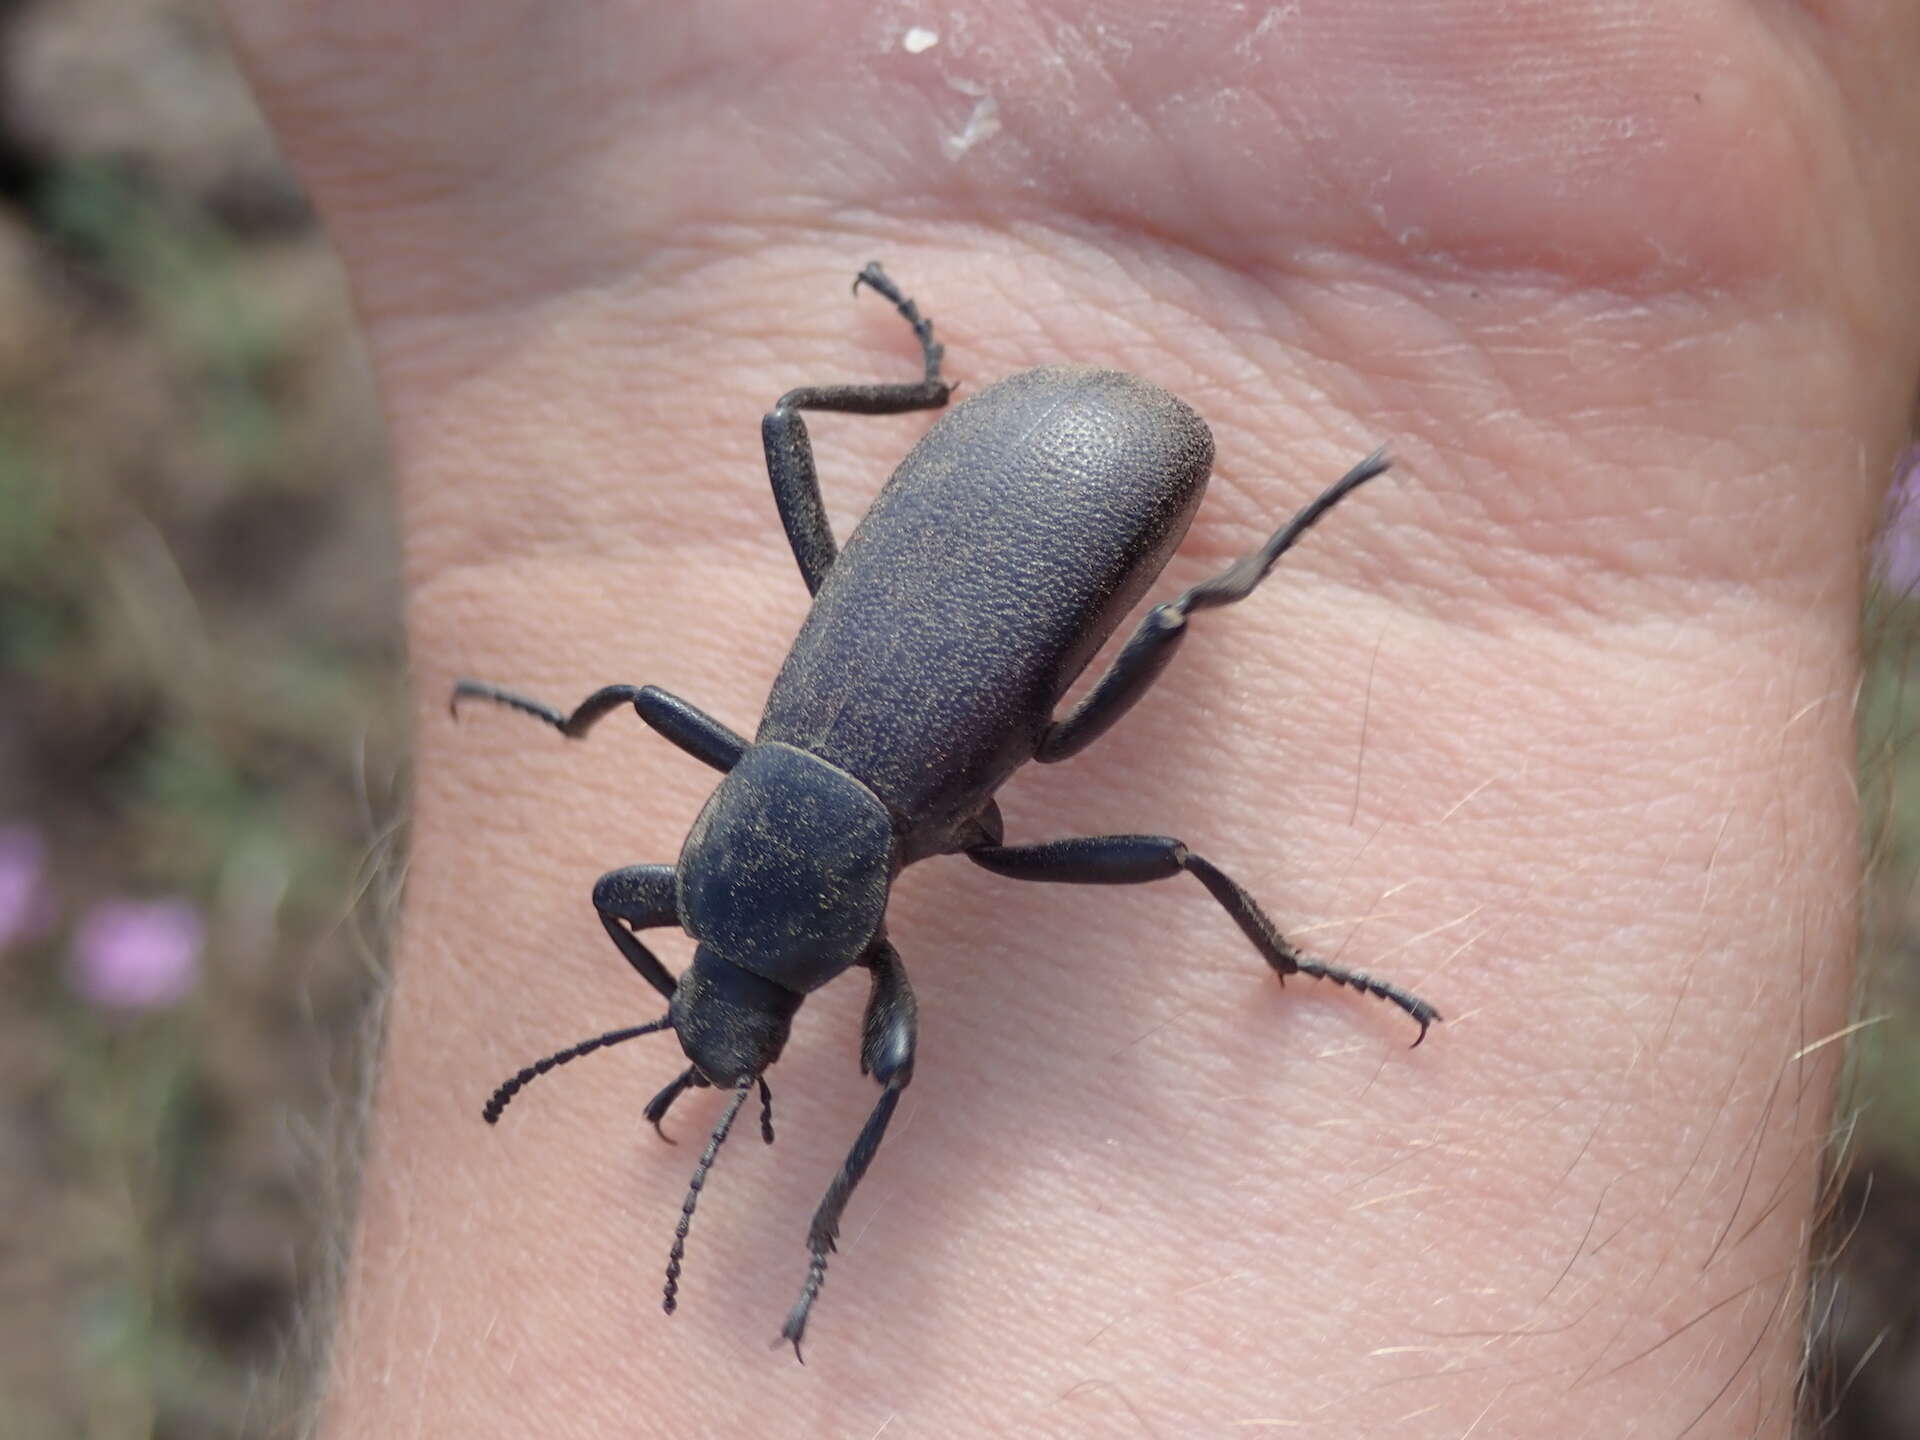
(1002, 554)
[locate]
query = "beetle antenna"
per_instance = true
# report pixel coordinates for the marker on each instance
(498, 1101)
(766, 1112)
(718, 1138)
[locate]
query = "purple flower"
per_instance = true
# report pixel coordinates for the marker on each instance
(1898, 558)
(24, 902)
(137, 954)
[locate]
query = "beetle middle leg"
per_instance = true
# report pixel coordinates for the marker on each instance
(886, 1053)
(1136, 859)
(1153, 645)
(783, 434)
(687, 726)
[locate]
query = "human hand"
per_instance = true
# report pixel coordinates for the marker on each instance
(1552, 726)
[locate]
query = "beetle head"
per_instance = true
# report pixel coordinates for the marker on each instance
(731, 1023)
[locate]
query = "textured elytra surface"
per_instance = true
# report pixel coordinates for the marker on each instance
(1005, 550)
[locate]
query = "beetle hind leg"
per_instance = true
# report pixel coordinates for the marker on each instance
(1154, 644)
(686, 726)
(1136, 859)
(783, 434)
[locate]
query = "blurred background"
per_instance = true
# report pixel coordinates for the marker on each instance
(201, 738)
(202, 764)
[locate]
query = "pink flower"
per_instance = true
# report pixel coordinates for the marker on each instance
(1899, 546)
(137, 954)
(24, 902)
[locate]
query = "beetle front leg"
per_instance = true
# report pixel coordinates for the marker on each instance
(642, 896)
(783, 434)
(1136, 859)
(687, 726)
(656, 1111)
(1154, 644)
(690, 1079)
(886, 1053)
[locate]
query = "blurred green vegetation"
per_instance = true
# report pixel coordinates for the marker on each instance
(1885, 1058)
(202, 669)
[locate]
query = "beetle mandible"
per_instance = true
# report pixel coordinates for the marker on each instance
(924, 676)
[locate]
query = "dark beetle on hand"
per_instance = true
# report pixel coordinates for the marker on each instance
(998, 559)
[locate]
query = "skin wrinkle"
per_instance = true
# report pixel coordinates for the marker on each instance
(1523, 547)
(936, 52)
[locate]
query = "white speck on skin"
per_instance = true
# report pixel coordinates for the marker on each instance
(983, 123)
(1251, 45)
(918, 39)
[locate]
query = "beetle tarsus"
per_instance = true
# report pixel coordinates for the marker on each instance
(796, 1327)
(882, 284)
(1423, 1014)
(478, 690)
